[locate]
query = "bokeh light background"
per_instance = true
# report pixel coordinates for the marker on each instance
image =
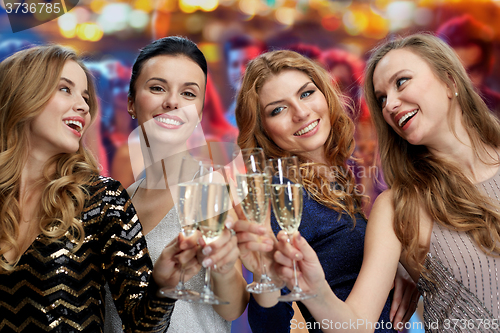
(105, 30)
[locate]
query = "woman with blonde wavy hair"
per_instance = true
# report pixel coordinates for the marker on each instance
(64, 230)
(288, 106)
(439, 148)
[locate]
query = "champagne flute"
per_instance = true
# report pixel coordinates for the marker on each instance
(253, 193)
(214, 205)
(187, 205)
(286, 198)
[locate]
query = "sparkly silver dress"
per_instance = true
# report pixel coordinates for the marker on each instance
(463, 294)
(186, 317)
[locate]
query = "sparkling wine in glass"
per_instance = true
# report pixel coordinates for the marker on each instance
(287, 201)
(214, 204)
(253, 192)
(187, 206)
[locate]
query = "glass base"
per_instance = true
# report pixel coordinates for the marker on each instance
(181, 294)
(210, 298)
(266, 285)
(295, 296)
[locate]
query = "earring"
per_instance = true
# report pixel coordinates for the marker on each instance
(133, 116)
(456, 93)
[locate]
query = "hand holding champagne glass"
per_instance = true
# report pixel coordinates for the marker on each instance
(253, 193)
(286, 198)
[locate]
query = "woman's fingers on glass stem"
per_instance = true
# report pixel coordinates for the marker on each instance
(186, 256)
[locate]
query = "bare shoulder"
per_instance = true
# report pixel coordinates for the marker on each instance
(384, 201)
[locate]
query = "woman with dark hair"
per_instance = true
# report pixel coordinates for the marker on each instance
(166, 95)
(288, 106)
(439, 148)
(64, 230)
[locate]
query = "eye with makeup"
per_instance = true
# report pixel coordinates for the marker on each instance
(382, 100)
(65, 89)
(188, 94)
(307, 93)
(276, 111)
(156, 89)
(401, 81)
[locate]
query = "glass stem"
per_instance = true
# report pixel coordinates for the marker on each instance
(263, 275)
(180, 285)
(296, 288)
(207, 289)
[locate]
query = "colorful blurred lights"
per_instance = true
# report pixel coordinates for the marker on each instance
(355, 22)
(400, 14)
(67, 21)
(209, 5)
(330, 22)
(144, 5)
(249, 7)
(114, 17)
(190, 6)
(89, 31)
(285, 15)
(138, 19)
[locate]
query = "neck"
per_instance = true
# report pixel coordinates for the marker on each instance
(168, 168)
(29, 191)
(477, 165)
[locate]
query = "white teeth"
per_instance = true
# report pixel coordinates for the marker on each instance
(168, 121)
(406, 116)
(307, 129)
(76, 123)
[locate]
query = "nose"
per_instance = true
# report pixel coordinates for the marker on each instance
(81, 105)
(392, 103)
(300, 112)
(171, 102)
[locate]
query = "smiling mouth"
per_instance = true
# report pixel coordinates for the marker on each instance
(406, 118)
(169, 121)
(307, 129)
(74, 124)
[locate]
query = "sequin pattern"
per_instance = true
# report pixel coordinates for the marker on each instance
(186, 317)
(55, 289)
(464, 281)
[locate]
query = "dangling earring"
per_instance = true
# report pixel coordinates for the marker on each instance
(131, 114)
(456, 93)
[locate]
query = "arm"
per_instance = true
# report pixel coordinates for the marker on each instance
(381, 256)
(127, 265)
(405, 298)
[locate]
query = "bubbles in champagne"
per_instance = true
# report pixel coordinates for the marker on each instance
(253, 191)
(287, 205)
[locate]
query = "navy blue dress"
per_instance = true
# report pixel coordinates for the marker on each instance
(339, 247)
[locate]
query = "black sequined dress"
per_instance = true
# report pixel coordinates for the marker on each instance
(57, 290)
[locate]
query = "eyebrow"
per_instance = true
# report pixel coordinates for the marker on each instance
(281, 100)
(186, 84)
(72, 84)
(392, 78)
